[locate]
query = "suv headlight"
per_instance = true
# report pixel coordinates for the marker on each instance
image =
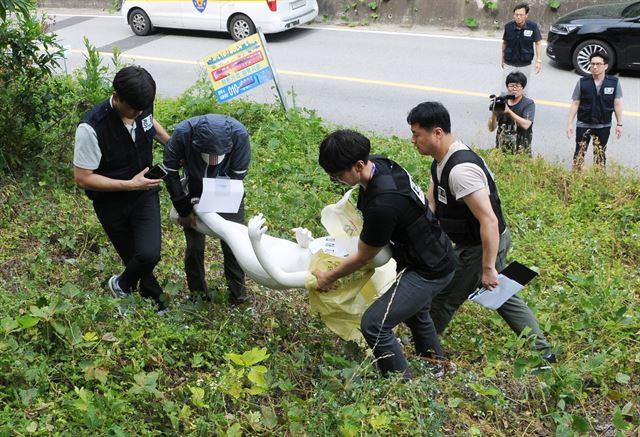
(564, 29)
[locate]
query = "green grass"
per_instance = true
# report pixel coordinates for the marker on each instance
(69, 364)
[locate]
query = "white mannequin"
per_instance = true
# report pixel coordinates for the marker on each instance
(273, 262)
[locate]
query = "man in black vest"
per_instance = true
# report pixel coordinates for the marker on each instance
(465, 199)
(211, 146)
(394, 212)
(113, 151)
(595, 99)
(518, 40)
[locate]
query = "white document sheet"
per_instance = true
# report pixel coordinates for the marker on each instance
(493, 299)
(221, 195)
(337, 246)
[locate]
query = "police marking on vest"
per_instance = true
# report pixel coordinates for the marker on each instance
(528, 32)
(442, 194)
(608, 90)
(417, 190)
(147, 123)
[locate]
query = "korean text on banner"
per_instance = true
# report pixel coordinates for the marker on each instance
(238, 68)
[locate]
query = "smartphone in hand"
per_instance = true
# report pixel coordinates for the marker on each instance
(158, 171)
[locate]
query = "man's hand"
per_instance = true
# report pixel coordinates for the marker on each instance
(618, 131)
(188, 222)
(538, 66)
(569, 131)
(139, 182)
(324, 281)
(490, 278)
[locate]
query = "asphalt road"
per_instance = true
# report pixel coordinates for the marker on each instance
(368, 79)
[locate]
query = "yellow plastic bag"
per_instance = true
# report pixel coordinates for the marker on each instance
(341, 309)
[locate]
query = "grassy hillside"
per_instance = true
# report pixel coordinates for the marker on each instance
(69, 363)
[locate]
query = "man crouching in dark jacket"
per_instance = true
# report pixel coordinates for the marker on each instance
(211, 145)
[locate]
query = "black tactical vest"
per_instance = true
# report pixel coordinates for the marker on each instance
(423, 246)
(597, 107)
(121, 157)
(455, 217)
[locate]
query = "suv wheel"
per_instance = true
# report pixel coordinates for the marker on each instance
(585, 49)
(140, 23)
(241, 26)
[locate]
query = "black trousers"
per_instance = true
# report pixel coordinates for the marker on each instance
(194, 262)
(132, 223)
(600, 138)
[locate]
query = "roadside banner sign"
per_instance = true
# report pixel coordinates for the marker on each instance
(240, 67)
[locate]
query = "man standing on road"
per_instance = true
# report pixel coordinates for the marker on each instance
(394, 212)
(515, 123)
(113, 151)
(207, 146)
(595, 99)
(518, 39)
(465, 199)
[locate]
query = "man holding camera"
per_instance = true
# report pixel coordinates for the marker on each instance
(464, 198)
(595, 99)
(513, 115)
(518, 40)
(113, 151)
(207, 146)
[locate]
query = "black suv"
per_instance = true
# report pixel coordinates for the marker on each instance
(613, 28)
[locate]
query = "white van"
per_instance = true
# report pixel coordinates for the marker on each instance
(238, 17)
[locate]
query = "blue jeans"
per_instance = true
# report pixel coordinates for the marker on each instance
(408, 300)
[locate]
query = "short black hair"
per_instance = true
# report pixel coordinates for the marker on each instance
(340, 150)
(516, 77)
(599, 54)
(429, 115)
(135, 86)
(524, 6)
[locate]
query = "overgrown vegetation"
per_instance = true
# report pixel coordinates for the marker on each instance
(70, 364)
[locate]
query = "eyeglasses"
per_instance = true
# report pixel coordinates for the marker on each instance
(597, 64)
(515, 86)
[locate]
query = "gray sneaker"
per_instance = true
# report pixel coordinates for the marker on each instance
(114, 286)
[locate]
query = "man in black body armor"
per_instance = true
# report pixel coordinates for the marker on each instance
(464, 197)
(594, 100)
(113, 151)
(394, 212)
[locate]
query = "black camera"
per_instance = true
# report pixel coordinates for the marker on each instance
(499, 103)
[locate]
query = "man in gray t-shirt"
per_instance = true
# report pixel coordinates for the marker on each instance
(594, 101)
(515, 124)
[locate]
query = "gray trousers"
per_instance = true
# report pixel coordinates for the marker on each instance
(194, 263)
(468, 278)
(407, 300)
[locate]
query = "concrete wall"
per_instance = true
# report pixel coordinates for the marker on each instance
(444, 13)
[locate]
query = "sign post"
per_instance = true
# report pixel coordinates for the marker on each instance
(241, 67)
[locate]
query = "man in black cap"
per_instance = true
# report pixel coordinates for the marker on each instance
(207, 146)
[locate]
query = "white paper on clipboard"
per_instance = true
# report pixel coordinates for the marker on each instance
(221, 195)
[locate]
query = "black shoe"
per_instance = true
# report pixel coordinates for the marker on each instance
(243, 301)
(114, 286)
(546, 364)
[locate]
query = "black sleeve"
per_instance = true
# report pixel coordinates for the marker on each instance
(537, 36)
(174, 155)
(379, 225)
